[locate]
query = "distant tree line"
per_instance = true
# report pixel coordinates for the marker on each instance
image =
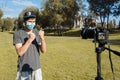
(60, 14)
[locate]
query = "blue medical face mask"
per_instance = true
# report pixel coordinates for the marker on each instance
(30, 25)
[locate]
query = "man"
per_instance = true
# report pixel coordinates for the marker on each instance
(28, 41)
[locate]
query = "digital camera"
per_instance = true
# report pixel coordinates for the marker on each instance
(99, 34)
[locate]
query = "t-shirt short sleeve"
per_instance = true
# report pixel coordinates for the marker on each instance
(16, 38)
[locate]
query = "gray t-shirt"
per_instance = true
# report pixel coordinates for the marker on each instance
(30, 61)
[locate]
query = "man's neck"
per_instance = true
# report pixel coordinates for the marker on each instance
(28, 31)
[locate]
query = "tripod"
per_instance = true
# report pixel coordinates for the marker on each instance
(98, 51)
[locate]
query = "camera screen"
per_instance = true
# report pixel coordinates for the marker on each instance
(101, 36)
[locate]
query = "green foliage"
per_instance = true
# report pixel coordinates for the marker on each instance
(90, 22)
(103, 8)
(54, 14)
(45, 19)
(117, 8)
(8, 24)
(1, 21)
(110, 24)
(61, 12)
(1, 13)
(114, 23)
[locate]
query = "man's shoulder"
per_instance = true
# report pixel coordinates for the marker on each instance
(19, 31)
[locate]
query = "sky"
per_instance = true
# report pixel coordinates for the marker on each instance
(12, 8)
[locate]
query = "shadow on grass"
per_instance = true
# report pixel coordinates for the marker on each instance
(11, 32)
(115, 42)
(115, 31)
(70, 33)
(73, 34)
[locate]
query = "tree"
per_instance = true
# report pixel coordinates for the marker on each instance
(110, 24)
(1, 21)
(1, 13)
(60, 13)
(8, 24)
(119, 25)
(53, 9)
(45, 19)
(114, 23)
(70, 8)
(102, 8)
(116, 9)
(90, 22)
(15, 24)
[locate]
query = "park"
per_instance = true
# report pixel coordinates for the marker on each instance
(69, 55)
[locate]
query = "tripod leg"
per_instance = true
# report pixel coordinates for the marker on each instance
(98, 52)
(98, 78)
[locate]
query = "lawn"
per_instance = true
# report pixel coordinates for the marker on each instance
(67, 58)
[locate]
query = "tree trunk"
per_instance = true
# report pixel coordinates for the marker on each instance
(101, 21)
(107, 20)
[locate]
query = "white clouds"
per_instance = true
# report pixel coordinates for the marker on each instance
(23, 3)
(12, 8)
(8, 9)
(5, 16)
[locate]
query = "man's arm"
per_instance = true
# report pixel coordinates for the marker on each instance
(21, 49)
(43, 43)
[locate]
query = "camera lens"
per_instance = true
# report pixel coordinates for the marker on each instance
(87, 33)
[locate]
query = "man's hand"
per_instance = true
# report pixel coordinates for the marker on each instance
(31, 36)
(41, 33)
(42, 43)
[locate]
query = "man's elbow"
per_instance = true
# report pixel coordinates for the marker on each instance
(20, 54)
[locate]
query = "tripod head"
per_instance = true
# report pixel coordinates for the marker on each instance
(101, 37)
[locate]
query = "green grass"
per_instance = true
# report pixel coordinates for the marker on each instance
(8, 57)
(67, 58)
